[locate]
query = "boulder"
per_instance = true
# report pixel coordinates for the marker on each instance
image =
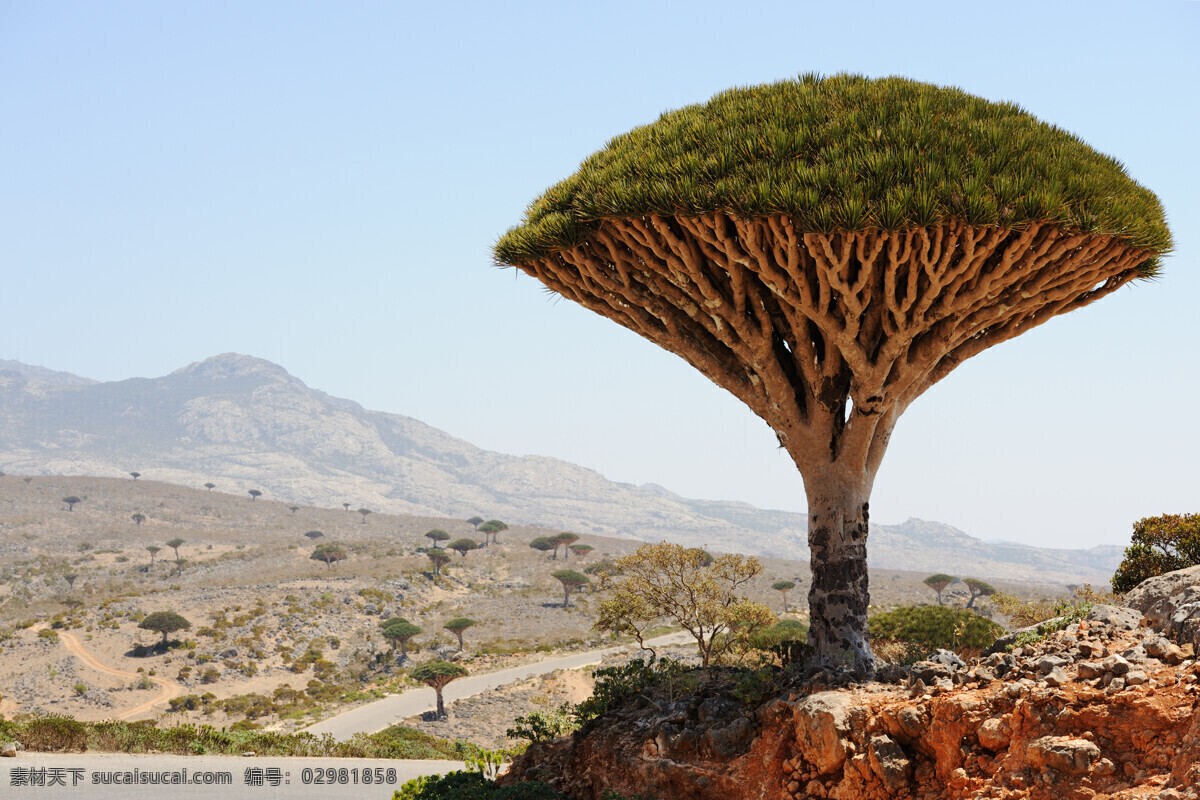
(822, 722)
(890, 763)
(1119, 617)
(1170, 604)
(1063, 753)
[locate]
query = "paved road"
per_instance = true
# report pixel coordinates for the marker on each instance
(54, 776)
(167, 688)
(380, 714)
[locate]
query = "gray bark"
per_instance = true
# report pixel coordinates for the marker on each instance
(838, 598)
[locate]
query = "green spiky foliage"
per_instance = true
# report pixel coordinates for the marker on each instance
(1159, 545)
(438, 557)
(783, 587)
(164, 622)
(939, 583)
(978, 589)
(571, 581)
(458, 625)
(399, 632)
(329, 554)
(463, 546)
(437, 674)
(933, 627)
(847, 153)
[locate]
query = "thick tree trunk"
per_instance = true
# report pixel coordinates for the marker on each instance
(837, 540)
(441, 706)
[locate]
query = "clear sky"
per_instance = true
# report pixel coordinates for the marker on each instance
(319, 184)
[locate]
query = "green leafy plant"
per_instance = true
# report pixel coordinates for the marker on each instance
(542, 726)
(934, 627)
(1159, 545)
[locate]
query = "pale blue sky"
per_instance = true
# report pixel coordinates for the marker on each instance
(319, 184)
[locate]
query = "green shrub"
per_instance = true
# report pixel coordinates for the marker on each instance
(934, 627)
(472, 786)
(1159, 545)
(617, 685)
(541, 727)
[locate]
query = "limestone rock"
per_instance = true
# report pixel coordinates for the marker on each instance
(1063, 753)
(889, 763)
(822, 721)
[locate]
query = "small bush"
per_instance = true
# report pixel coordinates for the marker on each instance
(936, 627)
(541, 727)
(472, 786)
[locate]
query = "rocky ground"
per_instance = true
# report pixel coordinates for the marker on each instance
(1109, 707)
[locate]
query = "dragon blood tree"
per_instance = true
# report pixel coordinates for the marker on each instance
(827, 249)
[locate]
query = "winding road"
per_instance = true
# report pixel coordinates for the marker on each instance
(167, 688)
(376, 716)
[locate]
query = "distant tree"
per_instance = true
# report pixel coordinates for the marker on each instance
(476, 521)
(179, 562)
(293, 509)
(939, 583)
(1159, 545)
(210, 486)
(329, 553)
(493, 527)
(437, 535)
(439, 557)
(783, 587)
(174, 545)
(347, 507)
(398, 632)
(437, 674)
(71, 500)
(661, 582)
(564, 540)
(364, 512)
(603, 569)
(542, 544)
(70, 578)
(581, 550)
(254, 494)
(164, 622)
(571, 581)
(978, 589)
(135, 475)
(153, 551)
(463, 546)
(314, 535)
(138, 518)
(457, 626)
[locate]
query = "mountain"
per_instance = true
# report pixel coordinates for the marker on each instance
(245, 423)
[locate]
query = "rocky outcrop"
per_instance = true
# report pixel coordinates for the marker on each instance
(1171, 604)
(1095, 711)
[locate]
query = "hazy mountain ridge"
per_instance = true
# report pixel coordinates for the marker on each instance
(243, 422)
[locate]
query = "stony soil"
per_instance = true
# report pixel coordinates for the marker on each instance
(1103, 709)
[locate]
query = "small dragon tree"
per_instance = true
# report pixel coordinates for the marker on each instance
(544, 545)
(564, 540)
(581, 550)
(153, 550)
(164, 622)
(439, 558)
(492, 527)
(571, 581)
(254, 494)
(437, 674)
(476, 521)
(138, 518)
(978, 589)
(71, 500)
(437, 536)
(939, 583)
(827, 249)
(457, 626)
(783, 587)
(463, 546)
(399, 631)
(365, 512)
(329, 553)
(174, 545)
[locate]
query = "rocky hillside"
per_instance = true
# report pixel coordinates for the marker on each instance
(1103, 709)
(245, 423)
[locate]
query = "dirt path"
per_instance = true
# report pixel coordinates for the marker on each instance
(168, 688)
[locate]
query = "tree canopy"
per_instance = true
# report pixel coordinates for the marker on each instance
(1159, 545)
(687, 585)
(571, 581)
(437, 674)
(938, 583)
(457, 626)
(164, 622)
(847, 153)
(329, 553)
(463, 546)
